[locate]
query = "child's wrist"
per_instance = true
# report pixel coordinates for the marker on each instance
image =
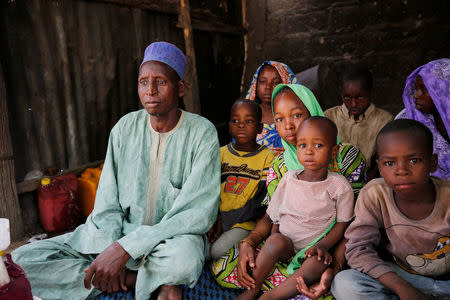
(255, 237)
(322, 246)
(248, 242)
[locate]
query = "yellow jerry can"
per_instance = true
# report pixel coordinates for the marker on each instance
(87, 188)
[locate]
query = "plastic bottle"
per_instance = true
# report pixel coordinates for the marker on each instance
(5, 240)
(87, 189)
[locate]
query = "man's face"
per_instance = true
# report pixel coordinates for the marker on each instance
(158, 88)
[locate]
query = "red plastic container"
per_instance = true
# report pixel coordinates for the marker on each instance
(59, 207)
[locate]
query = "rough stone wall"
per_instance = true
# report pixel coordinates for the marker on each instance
(391, 37)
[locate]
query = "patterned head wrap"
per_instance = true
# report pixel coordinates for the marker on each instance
(286, 74)
(166, 53)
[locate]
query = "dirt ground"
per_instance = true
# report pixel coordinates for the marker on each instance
(16, 244)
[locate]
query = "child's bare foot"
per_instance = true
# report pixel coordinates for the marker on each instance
(169, 292)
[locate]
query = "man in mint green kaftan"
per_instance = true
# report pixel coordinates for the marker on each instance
(157, 197)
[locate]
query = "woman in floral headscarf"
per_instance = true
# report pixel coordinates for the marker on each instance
(427, 99)
(268, 75)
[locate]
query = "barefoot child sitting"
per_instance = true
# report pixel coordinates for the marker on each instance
(244, 166)
(406, 217)
(310, 210)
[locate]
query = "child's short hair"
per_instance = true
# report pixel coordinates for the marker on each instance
(358, 72)
(329, 124)
(255, 105)
(409, 126)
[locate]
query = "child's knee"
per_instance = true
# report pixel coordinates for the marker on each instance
(340, 286)
(312, 269)
(278, 245)
(352, 284)
(216, 250)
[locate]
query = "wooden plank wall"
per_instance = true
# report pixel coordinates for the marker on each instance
(71, 66)
(70, 71)
(9, 202)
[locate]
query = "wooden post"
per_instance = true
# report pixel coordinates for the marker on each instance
(9, 201)
(245, 25)
(72, 142)
(191, 95)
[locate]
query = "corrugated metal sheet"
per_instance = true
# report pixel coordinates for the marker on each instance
(70, 71)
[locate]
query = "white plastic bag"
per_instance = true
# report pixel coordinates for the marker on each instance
(5, 240)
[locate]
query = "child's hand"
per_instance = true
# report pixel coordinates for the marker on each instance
(404, 289)
(412, 294)
(318, 289)
(322, 255)
(246, 261)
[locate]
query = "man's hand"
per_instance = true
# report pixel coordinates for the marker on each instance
(108, 270)
(246, 259)
(322, 254)
(318, 289)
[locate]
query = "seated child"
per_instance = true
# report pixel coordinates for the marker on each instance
(304, 208)
(404, 216)
(244, 166)
(357, 119)
(427, 100)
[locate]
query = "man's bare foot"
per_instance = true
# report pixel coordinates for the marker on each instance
(169, 292)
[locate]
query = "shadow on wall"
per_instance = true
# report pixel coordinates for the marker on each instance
(323, 81)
